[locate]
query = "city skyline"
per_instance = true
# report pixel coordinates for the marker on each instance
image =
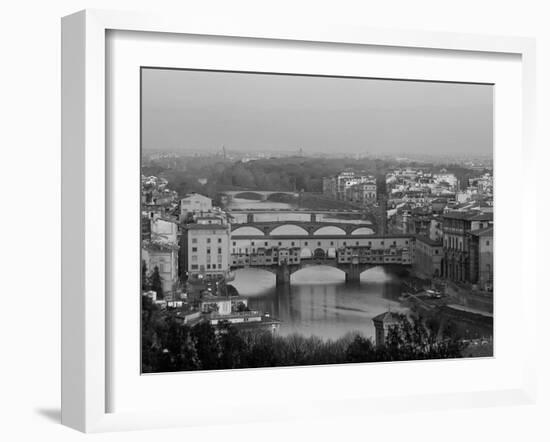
(250, 278)
(186, 110)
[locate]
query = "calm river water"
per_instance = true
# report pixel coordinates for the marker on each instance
(318, 302)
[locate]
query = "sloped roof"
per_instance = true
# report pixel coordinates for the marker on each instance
(470, 215)
(458, 215)
(488, 216)
(487, 231)
(386, 317)
(216, 226)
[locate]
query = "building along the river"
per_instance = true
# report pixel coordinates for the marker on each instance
(206, 250)
(428, 257)
(457, 228)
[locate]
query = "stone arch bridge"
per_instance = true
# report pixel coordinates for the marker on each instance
(352, 270)
(251, 216)
(284, 253)
(303, 227)
(263, 194)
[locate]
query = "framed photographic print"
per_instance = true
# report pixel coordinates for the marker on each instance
(290, 222)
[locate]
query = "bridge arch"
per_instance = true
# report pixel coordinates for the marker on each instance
(288, 195)
(246, 273)
(362, 231)
(288, 229)
(247, 230)
(331, 273)
(248, 194)
(329, 230)
(319, 253)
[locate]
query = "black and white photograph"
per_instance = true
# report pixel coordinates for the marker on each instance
(243, 221)
(300, 220)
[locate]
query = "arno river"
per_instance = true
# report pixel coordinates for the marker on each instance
(318, 301)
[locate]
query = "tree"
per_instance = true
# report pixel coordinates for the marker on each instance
(181, 347)
(262, 349)
(207, 346)
(409, 340)
(148, 360)
(361, 350)
(144, 279)
(232, 347)
(156, 283)
(242, 177)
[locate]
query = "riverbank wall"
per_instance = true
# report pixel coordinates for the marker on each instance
(472, 299)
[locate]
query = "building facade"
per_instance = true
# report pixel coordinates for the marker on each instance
(435, 231)
(362, 193)
(428, 257)
(194, 203)
(164, 230)
(206, 251)
(481, 262)
(165, 257)
(350, 186)
(457, 228)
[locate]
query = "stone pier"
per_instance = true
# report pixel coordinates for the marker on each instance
(353, 273)
(282, 276)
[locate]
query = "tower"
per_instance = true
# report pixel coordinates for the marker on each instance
(382, 324)
(382, 202)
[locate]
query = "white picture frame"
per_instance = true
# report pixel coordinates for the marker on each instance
(85, 198)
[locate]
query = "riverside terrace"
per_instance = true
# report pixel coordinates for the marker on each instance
(289, 253)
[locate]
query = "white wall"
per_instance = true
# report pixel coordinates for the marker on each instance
(30, 160)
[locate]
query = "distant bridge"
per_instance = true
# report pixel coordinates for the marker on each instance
(301, 227)
(263, 194)
(377, 215)
(249, 216)
(299, 210)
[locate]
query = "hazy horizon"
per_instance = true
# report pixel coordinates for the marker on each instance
(247, 112)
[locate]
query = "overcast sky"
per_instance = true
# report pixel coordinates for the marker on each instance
(191, 110)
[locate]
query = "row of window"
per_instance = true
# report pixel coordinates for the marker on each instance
(261, 252)
(262, 261)
(208, 266)
(427, 249)
(195, 258)
(208, 250)
(292, 244)
(208, 240)
(376, 259)
(364, 252)
(453, 243)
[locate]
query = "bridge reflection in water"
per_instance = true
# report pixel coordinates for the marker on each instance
(318, 302)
